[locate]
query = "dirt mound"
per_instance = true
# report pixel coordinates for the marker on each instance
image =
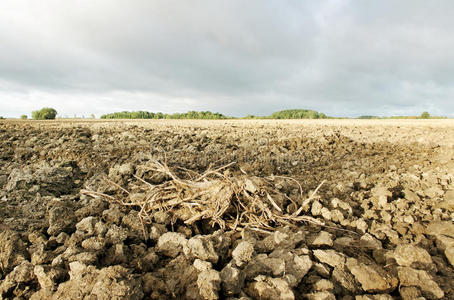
(140, 213)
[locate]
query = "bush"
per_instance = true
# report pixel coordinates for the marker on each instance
(425, 115)
(24, 117)
(45, 113)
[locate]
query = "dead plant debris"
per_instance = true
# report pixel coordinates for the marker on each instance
(226, 200)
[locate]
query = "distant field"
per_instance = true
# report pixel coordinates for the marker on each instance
(437, 131)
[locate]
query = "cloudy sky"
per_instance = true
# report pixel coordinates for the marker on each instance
(343, 58)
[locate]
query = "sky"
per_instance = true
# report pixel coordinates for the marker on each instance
(339, 57)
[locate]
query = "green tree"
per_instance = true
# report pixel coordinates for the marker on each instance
(425, 115)
(24, 117)
(298, 114)
(45, 113)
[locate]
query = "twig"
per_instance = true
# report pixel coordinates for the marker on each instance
(115, 184)
(273, 203)
(147, 183)
(90, 193)
(308, 200)
(214, 171)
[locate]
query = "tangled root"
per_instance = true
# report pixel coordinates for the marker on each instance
(233, 202)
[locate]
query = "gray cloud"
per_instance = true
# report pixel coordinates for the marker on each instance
(239, 57)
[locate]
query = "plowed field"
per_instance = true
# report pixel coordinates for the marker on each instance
(328, 209)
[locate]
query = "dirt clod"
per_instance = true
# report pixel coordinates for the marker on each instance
(12, 251)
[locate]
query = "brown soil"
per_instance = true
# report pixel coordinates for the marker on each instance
(380, 227)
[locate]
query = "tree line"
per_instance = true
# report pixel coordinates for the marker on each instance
(424, 115)
(48, 113)
(205, 115)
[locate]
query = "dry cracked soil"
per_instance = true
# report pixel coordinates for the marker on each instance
(74, 224)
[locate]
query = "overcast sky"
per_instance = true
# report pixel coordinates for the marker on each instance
(343, 58)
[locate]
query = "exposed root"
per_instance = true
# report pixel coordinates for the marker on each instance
(233, 202)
